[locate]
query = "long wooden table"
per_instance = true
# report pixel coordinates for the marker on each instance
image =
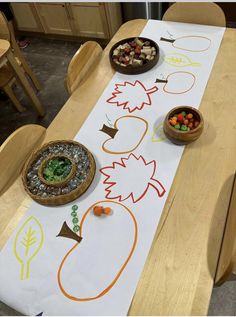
(179, 273)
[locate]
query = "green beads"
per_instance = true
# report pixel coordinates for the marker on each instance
(74, 214)
(184, 128)
(57, 169)
(76, 228)
(75, 219)
(74, 207)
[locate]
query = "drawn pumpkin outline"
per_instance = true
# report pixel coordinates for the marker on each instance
(172, 41)
(109, 287)
(112, 137)
(165, 81)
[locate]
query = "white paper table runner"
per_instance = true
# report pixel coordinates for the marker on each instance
(105, 267)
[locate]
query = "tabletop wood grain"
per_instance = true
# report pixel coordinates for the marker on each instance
(179, 272)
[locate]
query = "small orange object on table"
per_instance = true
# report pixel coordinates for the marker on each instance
(99, 210)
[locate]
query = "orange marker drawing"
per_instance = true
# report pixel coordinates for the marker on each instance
(112, 283)
(180, 43)
(188, 77)
(115, 132)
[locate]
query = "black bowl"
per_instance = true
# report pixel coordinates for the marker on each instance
(134, 69)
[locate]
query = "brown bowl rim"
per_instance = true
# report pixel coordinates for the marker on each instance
(134, 70)
(185, 107)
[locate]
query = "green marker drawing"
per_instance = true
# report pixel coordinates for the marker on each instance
(179, 60)
(109, 121)
(158, 133)
(28, 241)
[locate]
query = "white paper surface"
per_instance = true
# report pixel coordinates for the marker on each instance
(134, 184)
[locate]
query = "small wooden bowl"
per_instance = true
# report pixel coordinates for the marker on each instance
(183, 137)
(134, 69)
(59, 183)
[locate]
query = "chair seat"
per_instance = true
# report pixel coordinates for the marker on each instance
(6, 75)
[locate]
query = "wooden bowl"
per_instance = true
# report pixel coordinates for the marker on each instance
(70, 188)
(183, 137)
(134, 69)
(58, 183)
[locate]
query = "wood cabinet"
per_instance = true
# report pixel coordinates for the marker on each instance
(94, 26)
(26, 17)
(78, 19)
(54, 18)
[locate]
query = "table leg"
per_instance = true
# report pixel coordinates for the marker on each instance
(25, 84)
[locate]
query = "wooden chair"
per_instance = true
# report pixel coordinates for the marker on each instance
(7, 79)
(7, 33)
(207, 13)
(81, 64)
(15, 151)
(226, 268)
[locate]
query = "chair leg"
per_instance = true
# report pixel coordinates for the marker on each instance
(29, 72)
(7, 89)
(24, 64)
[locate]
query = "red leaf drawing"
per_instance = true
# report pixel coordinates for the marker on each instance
(123, 93)
(131, 177)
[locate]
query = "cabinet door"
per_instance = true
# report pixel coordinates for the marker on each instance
(89, 19)
(114, 16)
(26, 17)
(54, 18)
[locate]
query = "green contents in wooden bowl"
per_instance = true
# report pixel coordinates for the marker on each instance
(57, 169)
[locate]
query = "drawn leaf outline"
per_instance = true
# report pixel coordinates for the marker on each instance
(28, 241)
(179, 60)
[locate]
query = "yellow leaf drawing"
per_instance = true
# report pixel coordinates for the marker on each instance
(158, 134)
(179, 60)
(28, 241)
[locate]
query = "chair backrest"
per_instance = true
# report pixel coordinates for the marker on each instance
(82, 63)
(15, 151)
(227, 259)
(4, 29)
(207, 13)
(7, 33)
